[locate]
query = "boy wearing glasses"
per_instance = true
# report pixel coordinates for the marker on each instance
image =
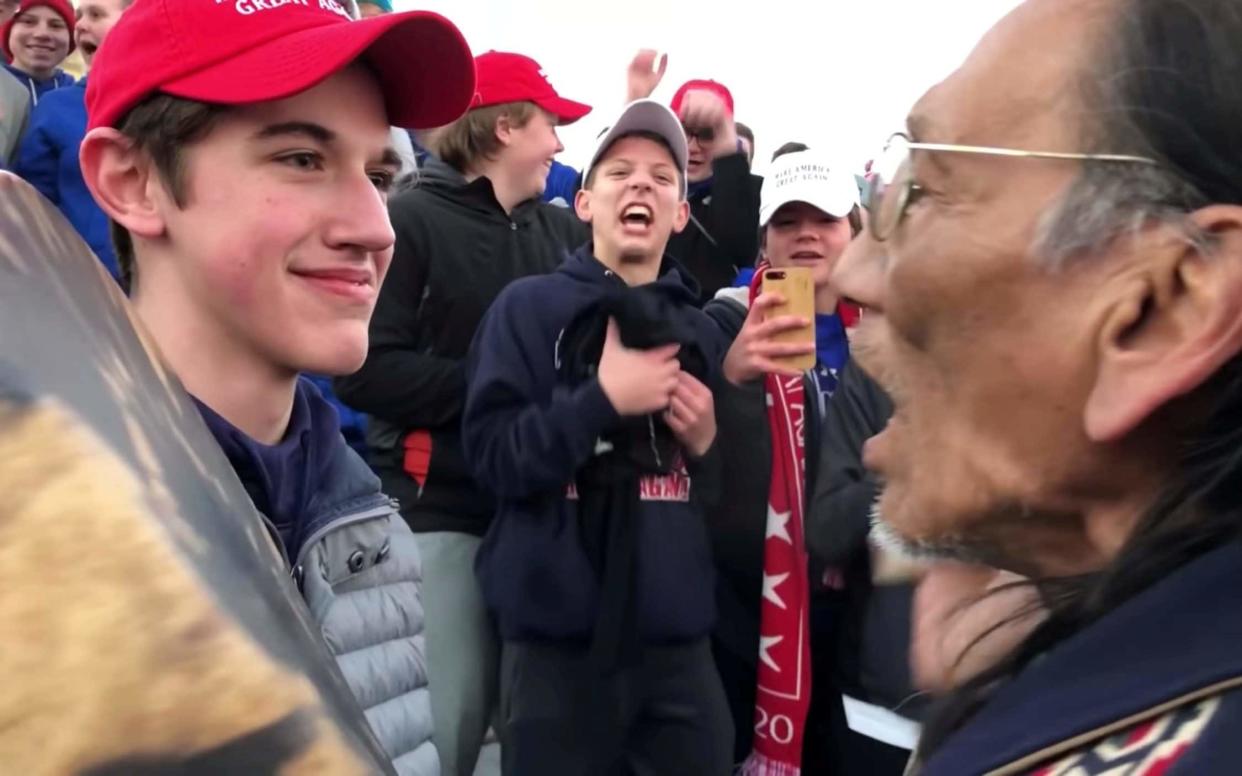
(721, 237)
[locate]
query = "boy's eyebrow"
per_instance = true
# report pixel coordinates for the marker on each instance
(309, 129)
(321, 134)
(391, 158)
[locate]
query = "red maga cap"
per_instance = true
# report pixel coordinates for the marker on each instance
(237, 52)
(711, 86)
(506, 77)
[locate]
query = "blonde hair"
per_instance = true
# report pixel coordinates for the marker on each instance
(472, 137)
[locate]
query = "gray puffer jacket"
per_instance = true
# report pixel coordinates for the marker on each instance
(355, 562)
(360, 574)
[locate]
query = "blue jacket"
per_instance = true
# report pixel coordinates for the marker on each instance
(1154, 687)
(48, 159)
(39, 88)
(562, 184)
(527, 435)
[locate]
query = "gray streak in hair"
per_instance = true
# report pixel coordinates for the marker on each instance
(1113, 200)
(1110, 201)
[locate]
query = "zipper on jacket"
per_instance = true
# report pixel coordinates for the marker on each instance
(274, 535)
(387, 508)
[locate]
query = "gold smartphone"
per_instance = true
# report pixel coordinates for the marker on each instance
(797, 286)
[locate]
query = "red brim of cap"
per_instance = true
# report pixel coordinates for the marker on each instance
(424, 66)
(566, 111)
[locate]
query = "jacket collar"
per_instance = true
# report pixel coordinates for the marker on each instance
(1171, 640)
(671, 279)
(480, 196)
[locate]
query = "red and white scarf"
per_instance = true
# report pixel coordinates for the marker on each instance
(784, 691)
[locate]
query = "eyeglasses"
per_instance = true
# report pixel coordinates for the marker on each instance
(704, 135)
(892, 186)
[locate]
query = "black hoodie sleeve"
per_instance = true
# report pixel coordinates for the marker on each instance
(733, 218)
(398, 383)
(840, 515)
(524, 435)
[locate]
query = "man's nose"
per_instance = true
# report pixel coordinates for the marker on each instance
(859, 274)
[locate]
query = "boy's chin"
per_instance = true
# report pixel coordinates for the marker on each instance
(334, 358)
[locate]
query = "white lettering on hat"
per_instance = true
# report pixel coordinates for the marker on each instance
(248, 7)
(332, 5)
(801, 173)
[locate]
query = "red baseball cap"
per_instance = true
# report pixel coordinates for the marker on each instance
(506, 77)
(237, 52)
(712, 86)
(61, 7)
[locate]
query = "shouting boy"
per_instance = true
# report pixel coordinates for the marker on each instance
(589, 417)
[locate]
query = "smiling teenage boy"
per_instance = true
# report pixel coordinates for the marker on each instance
(36, 41)
(587, 414)
(222, 141)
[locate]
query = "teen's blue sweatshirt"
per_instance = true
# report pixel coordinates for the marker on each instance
(48, 160)
(38, 88)
(527, 434)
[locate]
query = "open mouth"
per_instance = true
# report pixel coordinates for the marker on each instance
(87, 48)
(637, 217)
(808, 256)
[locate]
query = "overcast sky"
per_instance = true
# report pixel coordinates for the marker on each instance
(838, 75)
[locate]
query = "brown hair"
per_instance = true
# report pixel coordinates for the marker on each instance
(472, 137)
(162, 126)
(792, 147)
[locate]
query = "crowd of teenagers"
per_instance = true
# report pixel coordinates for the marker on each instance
(528, 437)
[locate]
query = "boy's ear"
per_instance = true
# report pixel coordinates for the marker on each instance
(681, 217)
(123, 181)
(582, 205)
(504, 129)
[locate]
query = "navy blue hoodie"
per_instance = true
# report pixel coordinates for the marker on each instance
(283, 479)
(527, 434)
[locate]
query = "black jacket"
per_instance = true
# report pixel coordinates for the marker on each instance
(531, 432)
(723, 234)
(737, 524)
(873, 647)
(456, 250)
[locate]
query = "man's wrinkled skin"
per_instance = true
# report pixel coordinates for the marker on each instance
(1033, 405)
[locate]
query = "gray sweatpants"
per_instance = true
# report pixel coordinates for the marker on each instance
(463, 650)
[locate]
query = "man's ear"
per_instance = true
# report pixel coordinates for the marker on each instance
(681, 216)
(582, 205)
(123, 181)
(1177, 322)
